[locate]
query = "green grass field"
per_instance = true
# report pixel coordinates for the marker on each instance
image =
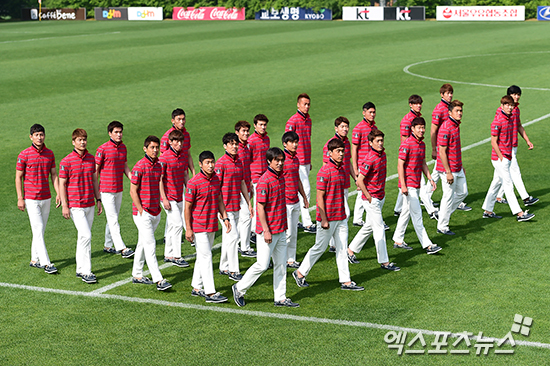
(86, 74)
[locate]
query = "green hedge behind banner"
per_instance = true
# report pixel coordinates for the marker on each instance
(13, 7)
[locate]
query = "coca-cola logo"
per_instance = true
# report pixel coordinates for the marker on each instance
(224, 14)
(208, 13)
(447, 13)
(191, 14)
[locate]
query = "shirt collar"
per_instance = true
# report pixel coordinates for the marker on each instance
(36, 148)
(416, 114)
(301, 114)
(335, 163)
(378, 152)
(454, 120)
(152, 161)
(273, 172)
(114, 143)
(80, 156)
(340, 137)
(367, 122)
(233, 158)
(206, 176)
(261, 136)
(174, 151)
(444, 101)
(289, 153)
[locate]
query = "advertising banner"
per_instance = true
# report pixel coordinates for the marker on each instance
(54, 14)
(405, 13)
(144, 13)
(543, 13)
(362, 13)
(111, 13)
(294, 13)
(483, 13)
(208, 13)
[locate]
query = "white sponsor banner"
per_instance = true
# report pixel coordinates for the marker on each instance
(483, 13)
(362, 13)
(144, 13)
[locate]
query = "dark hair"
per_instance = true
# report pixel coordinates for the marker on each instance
(206, 155)
(507, 100)
(338, 121)
(374, 133)
(290, 136)
(176, 135)
(260, 117)
(415, 99)
(446, 88)
(242, 124)
(418, 121)
(230, 137)
(455, 103)
(514, 89)
(303, 95)
(335, 144)
(273, 153)
(150, 139)
(37, 128)
(177, 112)
(113, 125)
(79, 132)
(368, 105)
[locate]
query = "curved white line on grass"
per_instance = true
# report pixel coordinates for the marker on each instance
(406, 69)
(47, 38)
(223, 309)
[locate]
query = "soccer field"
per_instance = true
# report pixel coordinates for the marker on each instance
(86, 74)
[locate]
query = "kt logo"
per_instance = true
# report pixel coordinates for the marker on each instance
(402, 14)
(363, 14)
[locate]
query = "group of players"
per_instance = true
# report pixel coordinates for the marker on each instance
(277, 180)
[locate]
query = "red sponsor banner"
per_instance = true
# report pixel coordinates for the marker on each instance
(208, 13)
(483, 13)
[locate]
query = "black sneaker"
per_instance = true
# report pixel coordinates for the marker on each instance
(526, 216)
(445, 232)
(434, 216)
(50, 269)
(312, 229)
(301, 282)
(142, 280)
(396, 213)
(491, 215)
(168, 260)
(352, 287)
(359, 224)
(216, 298)
(127, 253)
(300, 226)
(89, 278)
(253, 238)
(352, 259)
(390, 267)
(287, 302)
(238, 297)
(111, 250)
(332, 249)
(462, 207)
(386, 227)
(224, 273)
(236, 276)
(198, 293)
(293, 265)
(163, 285)
(249, 254)
(503, 201)
(180, 262)
(402, 246)
(530, 201)
(432, 249)
(36, 265)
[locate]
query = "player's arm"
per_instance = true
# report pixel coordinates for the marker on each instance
(163, 196)
(263, 221)
(96, 193)
(135, 197)
(303, 193)
(433, 137)
(189, 234)
(363, 187)
(494, 145)
(445, 163)
(55, 182)
(127, 171)
(523, 134)
(426, 171)
(403, 138)
(19, 175)
(244, 191)
(401, 175)
(322, 208)
(223, 213)
(64, 200)
(354, 162)
(191, 165)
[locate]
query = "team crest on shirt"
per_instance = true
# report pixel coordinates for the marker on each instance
(263, 192)
(356, 135)
(98, 154)
(19, 160)
(321, 179)
(218, 171)
(404, 149)
(495, 128)
(62, 167)
(136, 173)
(445, 137)
(367, 166)
(189, 190)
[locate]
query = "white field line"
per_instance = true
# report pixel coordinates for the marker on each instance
(254, 313)
(47, 38)
(406, 69)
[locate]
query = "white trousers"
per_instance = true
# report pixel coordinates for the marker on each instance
(502, 177)
(146, 246)
(346, 210)
(292, 218)
(515, 173)
(83, 218)
(411, 209)
(425, 194)
(253, 224)
(38, 211)
(277, 250)
(229, 259)
(435, 177)
(304, 178)
(453, 195)
(338, 230)
(182, 217)
(245, 225)
(111, 206)
(203, 277)
(373, 225)
(174, 229)
(359, 210)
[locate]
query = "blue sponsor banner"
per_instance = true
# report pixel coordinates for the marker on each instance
(543, 13)
(294, 13)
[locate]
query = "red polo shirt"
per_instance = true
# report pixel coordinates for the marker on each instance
(405, 128)
(258, 146)
(359, 137)
(36, 165)
(78, 171)
(245, 156)
(292, 177)
(301, 124)
(174, 166)
(515, 125)
(185, 147)
(373, 169)
(203, 193)
(230, 172)
(502, 127)
(110, 158)
(330, 179)
(346, 164)
(440, 113)
(449, 135)
(413, 152)
(271, 192)
(146, 175)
